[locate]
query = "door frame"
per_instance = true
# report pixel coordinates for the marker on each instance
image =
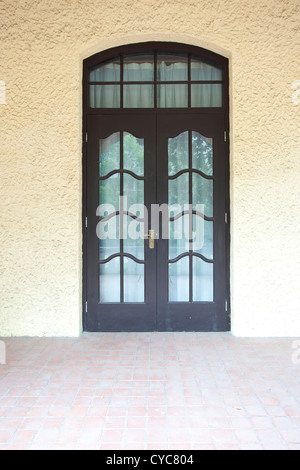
(165, 47)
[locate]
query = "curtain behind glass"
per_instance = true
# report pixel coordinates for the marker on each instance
(171, 68)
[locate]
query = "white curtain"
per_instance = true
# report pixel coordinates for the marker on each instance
(168, 95)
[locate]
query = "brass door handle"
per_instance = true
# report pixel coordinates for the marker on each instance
(151, 238)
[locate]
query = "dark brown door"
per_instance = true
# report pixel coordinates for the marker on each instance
(121, 184)
(191, 259)
(156, 236)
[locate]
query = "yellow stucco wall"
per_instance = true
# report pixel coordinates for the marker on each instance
(43, 43)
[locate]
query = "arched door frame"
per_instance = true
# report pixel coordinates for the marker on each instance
(165, 47)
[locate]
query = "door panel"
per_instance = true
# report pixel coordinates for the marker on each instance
(191, 268)
(121, 292)
(165, 174)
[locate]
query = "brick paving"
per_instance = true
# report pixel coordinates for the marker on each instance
(150, 391)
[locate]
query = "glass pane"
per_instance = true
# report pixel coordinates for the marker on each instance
(108, 71)
(179, 190)
(203, 280)
(109, 193)
(133, 281)
(202, 153)
(104, 96)
(203, 241)
(203, 70)
(138, 68)
(179, 280)
(172, 67)
(178, 236)
(134, 243)
(109, 237)
(178, 153)
(109, 154)
(133, 154)
(206, 95)
(172, 96)
(134, 190)
(203, 194)
(138, 96)
(109, 281)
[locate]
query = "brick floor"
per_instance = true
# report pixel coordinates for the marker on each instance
(139, 391)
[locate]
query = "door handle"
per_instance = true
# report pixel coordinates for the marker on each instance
(151, 237)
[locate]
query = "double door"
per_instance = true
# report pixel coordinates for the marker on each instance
(156, 232)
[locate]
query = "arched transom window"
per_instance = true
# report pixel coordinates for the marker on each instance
(154, 78)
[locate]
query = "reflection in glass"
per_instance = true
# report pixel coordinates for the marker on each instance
(203, 194)
(104, 96)
(109, 237)
(179, 236)
(109, 282)
(204, 70)
(108, 71)
(133, 240)
(179, 280)
(172, 96)
(138, 96)
(179, 190)
(134, 190)
(178, 153)
(206, 242)
(133, 281)
(133, 154)
(202, 153)
(139, 67)
(109, 154)
(172, 67)
(109, 192)
(206, 95)
(203, 280)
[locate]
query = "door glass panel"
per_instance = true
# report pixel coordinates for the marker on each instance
(206, 95)
(203, 194)
(109, 154)
(108, 71)
(109, 282)
(172, 96)
(134, 241)
(203, 70)
(172, 67)
(138, 67)
(203, 242)
(134, 190)
(178, 236)
(203, 280)
(179, 190)
(133, 281)
(109, 193)
(104, 96)
(113, 241)
(109, 237)
(202, 153)
(138, 96)
(179, 280)
(133, 154)
(178, 153)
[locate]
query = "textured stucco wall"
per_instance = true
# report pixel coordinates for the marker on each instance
(42, 46)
